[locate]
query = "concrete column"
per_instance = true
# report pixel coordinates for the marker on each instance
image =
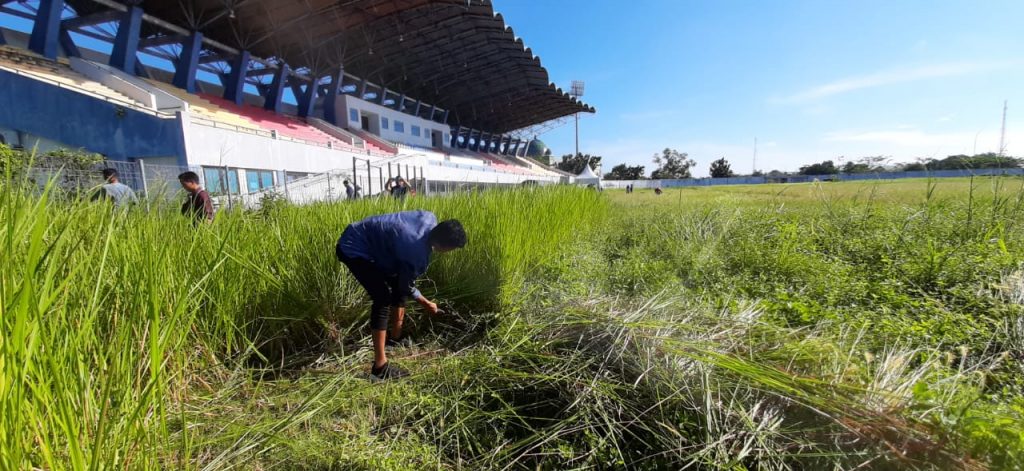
(126, 44)
(46, 30)
(331, 99)
(188, 63)
(276, 92)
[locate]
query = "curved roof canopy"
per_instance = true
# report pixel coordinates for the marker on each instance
(457, 54)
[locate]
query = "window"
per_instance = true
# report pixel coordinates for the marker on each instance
(415, 130)
(256, 180)
(353, 115)
(399, 126)
(383, 122)
(220, 181)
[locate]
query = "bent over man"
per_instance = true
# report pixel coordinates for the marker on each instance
(386, 254)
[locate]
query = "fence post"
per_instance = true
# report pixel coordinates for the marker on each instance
(284, 175)
(227, 185)
(390, 176)
(329, 190)
(355, 176)
(369, 178)
(380, 171)
(145, 186)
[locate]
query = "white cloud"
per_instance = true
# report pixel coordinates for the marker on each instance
(911, 142)
(890, 77)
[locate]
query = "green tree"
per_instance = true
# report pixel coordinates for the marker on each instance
(672, 164)
(822, 168)
(624, 172)
(961, 162)
(721, 169)
(574, 163)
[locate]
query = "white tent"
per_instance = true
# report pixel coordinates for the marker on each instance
(588, 177)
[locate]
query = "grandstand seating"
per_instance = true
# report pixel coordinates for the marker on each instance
(30, 64)
(283, 125)
(202, 107)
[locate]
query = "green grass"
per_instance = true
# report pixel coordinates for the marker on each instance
(805, 326)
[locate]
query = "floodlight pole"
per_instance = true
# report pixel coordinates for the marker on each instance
(577, 115)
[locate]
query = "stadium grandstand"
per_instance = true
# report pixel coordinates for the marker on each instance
(255, 94)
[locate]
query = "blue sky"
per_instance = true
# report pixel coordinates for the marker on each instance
(811, 80)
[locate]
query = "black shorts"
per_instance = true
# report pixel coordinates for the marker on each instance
(383, 289)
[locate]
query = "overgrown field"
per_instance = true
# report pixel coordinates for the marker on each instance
(824, 326)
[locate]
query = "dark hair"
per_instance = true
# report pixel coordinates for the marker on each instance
(449, 234)
(109, 173)
(189, 177)
(345, 182)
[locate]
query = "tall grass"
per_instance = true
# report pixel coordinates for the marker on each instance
(806, 327)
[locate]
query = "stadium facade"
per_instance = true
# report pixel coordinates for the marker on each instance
(256, 93)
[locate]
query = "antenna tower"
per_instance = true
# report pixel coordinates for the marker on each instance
(1002, 134)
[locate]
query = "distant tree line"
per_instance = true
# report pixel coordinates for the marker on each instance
(672, 164)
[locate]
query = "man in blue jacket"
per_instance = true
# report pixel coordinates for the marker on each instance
(386, 254)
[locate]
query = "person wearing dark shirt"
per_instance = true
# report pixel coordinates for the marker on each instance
(398, 188)
(386, 254)
(198, 204)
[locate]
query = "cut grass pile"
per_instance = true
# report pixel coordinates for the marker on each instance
(801, 326)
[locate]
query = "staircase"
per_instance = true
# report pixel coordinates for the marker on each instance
(39, 67)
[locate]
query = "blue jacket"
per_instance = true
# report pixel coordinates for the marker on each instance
(397, 244)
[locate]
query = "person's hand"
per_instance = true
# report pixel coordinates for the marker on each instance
(430, 307)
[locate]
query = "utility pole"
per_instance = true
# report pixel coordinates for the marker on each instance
(1002, 134)
(576, 91)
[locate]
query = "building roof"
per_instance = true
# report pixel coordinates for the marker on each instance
(456, 54)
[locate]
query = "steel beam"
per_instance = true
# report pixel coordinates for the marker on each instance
(68, 44)
(235, 88)
(126, 43)
(46, 31)
(162, 40)
(94, 19)
(400, 104)
(433, 109)
(188, 62)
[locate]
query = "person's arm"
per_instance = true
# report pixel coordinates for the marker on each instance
(207, 206)
(407, 285)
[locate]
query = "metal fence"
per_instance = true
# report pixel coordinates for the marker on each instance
(689, 182)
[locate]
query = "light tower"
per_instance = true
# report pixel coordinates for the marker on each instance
(576, 91)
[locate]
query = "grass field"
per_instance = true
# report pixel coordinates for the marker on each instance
(808, 326)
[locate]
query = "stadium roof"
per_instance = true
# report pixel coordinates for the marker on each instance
(456, 54)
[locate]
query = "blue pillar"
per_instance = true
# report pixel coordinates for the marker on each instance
(126, 44)
(3, 40)
(433, 109)
(383, 95)
(362, 90)
(276, 92)
(46, 30)
(188, 63)
(401, 103)
(445, 119)
(234, 90)
(308, 98)
(417, 112)
(331, 100)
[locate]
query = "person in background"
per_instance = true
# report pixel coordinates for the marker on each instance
(113, 190)
(386, 254)
(398, 187)
(351, 190)
(198, 204)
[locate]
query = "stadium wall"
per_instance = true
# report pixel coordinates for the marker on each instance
(346, 104)
(81, 121)
(213, 146)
